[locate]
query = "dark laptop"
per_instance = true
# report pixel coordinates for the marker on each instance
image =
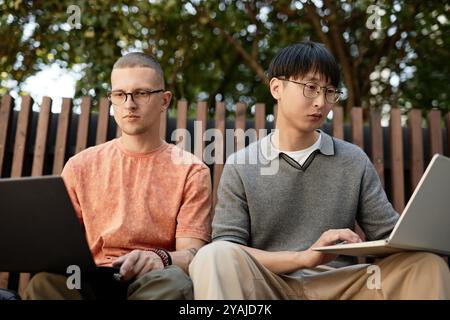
(39, 230)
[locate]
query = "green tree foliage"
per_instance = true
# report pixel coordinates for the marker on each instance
(392, 53)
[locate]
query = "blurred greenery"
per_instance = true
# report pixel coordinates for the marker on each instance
(392, 53)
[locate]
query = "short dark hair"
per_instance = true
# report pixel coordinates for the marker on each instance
(300, 58)
(139, 59)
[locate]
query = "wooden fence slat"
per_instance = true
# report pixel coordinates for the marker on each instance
(338, 122)
(240, 126)
(199, 128)
(415, 147)
(376, 137)
(396, 150)
(356, 122)
(20, 142)
(260, 119)
(102, 123)
(5, 121)
(4, 277)
(357, 126)
(40, 145)
(182, 107)
(83, 125)
(42, 133)
(24, 279)
(356, 116)
(435, 132)
(219, 144)
(62, 136)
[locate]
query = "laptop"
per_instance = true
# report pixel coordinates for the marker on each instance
(40, 231)
(424, 224)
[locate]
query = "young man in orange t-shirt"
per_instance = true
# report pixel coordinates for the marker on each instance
(145, 204)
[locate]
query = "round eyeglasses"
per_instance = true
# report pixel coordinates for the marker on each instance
(139, 97)
(312, 90)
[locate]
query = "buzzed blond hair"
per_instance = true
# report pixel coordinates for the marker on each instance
(139, 59)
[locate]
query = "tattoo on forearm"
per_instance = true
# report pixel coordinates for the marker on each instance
(193, 251)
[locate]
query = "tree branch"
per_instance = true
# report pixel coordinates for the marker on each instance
(343, 56)
(252, 15)
(386, 48)
(314, 18)
(253, 64)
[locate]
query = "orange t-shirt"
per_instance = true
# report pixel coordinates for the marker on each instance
(130, 201)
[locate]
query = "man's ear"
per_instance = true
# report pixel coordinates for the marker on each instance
(275, 87)
(167, 96)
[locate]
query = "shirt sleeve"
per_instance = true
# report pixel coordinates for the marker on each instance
(194, 216)
(231, 218)
(70, 182)
(376, 216)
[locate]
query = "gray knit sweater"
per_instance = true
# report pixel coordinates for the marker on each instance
(290, 209)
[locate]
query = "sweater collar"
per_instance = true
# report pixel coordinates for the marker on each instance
(269, 153)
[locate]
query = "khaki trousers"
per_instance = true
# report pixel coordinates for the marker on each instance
(163, 284)
(223, 270)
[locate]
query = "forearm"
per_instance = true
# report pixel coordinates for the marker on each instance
(182, 258)
(186, 248)
(281, 261)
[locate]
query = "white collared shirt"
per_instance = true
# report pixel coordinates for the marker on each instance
(300, 156)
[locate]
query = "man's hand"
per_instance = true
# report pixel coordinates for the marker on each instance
(137, 263)
(330, 237)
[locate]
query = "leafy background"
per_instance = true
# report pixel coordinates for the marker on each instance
(220, 50)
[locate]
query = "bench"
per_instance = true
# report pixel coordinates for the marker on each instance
(38, 143)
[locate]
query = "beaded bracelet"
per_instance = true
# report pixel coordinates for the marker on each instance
(163, 254)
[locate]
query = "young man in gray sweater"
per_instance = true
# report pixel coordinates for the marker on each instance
(299, 188)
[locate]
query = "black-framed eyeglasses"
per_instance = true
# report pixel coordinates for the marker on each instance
(312, 90)
(141, 96)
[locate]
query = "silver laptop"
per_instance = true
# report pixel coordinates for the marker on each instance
(424, 224)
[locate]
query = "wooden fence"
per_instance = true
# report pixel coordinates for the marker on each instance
(33, 144)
